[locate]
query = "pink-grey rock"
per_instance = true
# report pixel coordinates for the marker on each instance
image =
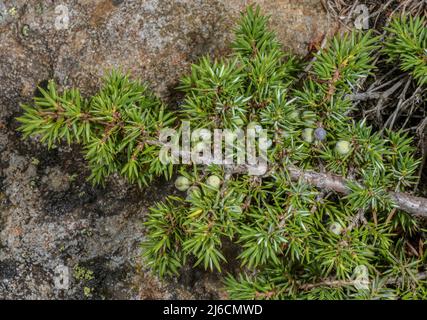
(51, 219)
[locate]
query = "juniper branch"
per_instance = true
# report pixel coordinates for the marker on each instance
(416, 206)
(343, 283)
(295, 225)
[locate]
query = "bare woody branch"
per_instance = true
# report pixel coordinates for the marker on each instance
(416, 206)
(342, 283)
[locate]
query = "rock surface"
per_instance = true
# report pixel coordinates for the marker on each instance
(59, 236)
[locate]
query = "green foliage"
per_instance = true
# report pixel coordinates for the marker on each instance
(253, 35)
(293, 240)
(230, 92)
(118, 127)
(214, 92)
(167, 232)
(407, 45)
(292, 236)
